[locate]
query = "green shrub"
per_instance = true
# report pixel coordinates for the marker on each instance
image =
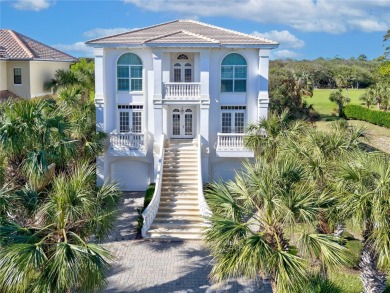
(317, 284)
(360, 113)
(149, 194)
(355, 247)
(147, 199)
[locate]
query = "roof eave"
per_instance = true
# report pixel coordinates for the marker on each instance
(176, 45)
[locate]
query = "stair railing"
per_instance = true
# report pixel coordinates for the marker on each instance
(151, 211)
(203, 206)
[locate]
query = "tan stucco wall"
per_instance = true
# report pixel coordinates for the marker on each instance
(22, 90)
(42, 71)
(3, 75)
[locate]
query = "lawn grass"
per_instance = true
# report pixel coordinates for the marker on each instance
(347, 280)
(326, 108)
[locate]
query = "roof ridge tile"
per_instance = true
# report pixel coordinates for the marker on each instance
(133, 31)
(21, 43)
(229, 30)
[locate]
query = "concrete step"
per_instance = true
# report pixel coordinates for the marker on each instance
(179, 205)
(179, 200)
(161, 233)
(177, 212)
(186, 183)
(176, 218)
(183, 224)
(179, 188)
(174, 177)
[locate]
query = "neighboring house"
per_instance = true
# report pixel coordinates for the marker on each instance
(25, 64)
(183, 79)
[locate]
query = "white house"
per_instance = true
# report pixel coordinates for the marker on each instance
(175, 99)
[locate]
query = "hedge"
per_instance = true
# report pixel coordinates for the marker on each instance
(360, 113)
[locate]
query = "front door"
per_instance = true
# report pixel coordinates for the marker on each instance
(182, 71)
(183, 123)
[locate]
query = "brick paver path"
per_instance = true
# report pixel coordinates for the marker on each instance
(162, 266)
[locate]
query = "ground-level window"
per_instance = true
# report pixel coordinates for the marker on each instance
(17, 75)
(233, 119)
(130, 118)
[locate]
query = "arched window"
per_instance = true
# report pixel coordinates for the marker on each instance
(129, 73)
(233, 73)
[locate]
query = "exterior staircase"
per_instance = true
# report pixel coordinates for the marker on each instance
(178, 215)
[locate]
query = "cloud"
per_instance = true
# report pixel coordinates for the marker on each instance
(285, 38)
(305, 15)
(77, 49)
(34, 5)
(284, 54)
(103, 32)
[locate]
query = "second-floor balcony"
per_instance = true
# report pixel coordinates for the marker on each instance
(232, 145)
(181, 90)
(127, 144)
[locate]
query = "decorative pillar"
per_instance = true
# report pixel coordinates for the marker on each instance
(263, 96)
(204, 137)
(157, 107)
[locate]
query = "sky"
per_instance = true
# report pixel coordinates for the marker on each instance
(305, 29)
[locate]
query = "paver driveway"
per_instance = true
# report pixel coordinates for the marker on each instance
(162, 266)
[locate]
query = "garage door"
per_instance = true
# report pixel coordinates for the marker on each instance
(130, 175)
(226, 170)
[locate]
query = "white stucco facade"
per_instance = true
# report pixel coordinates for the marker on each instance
(165, 99)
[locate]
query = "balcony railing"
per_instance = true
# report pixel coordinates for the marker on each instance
(182, 90)
(230, 141)
(127, 140)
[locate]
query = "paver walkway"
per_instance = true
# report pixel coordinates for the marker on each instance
(162, 266)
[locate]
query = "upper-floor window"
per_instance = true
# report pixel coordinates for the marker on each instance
(17, 75)
(129, 73)
(233, 73)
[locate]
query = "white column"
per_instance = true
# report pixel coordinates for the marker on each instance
(205, 74)
(158, 131)
(263, 96)
(204, 136)
(157, 69)
(157, 107)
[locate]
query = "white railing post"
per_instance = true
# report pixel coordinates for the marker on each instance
(151, 211)
(203, 206)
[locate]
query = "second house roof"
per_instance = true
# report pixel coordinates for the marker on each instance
(184, 33)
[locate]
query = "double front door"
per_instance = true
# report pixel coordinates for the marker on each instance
(182, 125)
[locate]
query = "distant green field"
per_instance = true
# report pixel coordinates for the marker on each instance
(322, 105)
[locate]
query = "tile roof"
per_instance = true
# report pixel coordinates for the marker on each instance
(184, 32)
(14, 45)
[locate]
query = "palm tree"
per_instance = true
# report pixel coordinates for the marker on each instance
(337, 97)
(365, 180)
(62, 78)
(33, 135)
(52, 253)
(368, 98)
(252, 217)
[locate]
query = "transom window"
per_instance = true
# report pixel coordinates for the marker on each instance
(182, 56)
(233, 73)
(233, 120)
(129, 73)
(130, 118)
(17, 75)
